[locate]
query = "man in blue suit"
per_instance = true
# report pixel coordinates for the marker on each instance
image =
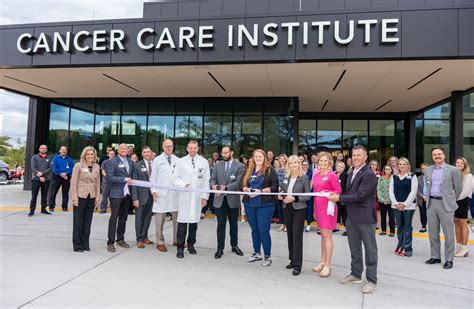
(119, 176)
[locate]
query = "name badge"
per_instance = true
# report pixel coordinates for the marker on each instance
(86, 170)
(200, 173)
(67, 165)
(47, 160)
(164, 163)
(143, 169)
(325, 178)
(121, 165)
(232, 177)
(285, 181)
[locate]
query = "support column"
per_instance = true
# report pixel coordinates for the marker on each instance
(410, 139)
(457, 118)
(38, 115)
(295, 122)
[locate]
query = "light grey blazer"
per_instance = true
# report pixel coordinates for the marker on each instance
(232, 181)
(301, 186)
(451, 186)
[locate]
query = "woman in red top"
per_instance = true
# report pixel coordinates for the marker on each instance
(325, 180)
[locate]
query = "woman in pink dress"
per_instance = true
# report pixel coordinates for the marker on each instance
(325, 180)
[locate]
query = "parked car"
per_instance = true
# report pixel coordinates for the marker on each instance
(4, 172)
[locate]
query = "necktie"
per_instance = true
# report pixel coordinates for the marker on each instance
(169, 160)
(125, 162)
(227, 166)
(192, 161)
(149, 168)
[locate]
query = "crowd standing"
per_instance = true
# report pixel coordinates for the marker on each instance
(296, 192)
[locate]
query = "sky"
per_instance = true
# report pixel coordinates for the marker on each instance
(15, 107)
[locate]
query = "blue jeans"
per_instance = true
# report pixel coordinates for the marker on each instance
(260, 220)
(404, 229)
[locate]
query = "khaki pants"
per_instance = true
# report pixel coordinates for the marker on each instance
(160, 219)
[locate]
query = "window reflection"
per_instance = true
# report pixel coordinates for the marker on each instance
(81, 131)
(247, 134)
(107, 124)
(381, 140)
(329, 135)
(58, 126)
(307, 136)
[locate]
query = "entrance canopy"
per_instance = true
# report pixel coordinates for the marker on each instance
(365, 86)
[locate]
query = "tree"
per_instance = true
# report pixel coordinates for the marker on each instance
(4, 144)
(15, 155)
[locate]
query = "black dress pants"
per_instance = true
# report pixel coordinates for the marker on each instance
(181, 235)
(384, 210)
(294, 219)
(57, 182)
(223, 213)
(119, 207)
(423, 217)
(36, 186)
(82, 221)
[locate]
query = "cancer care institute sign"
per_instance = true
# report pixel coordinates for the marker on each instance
(247, 38)
(103, 40)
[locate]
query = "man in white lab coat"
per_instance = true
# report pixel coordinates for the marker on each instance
(165, 201)
(192, 171)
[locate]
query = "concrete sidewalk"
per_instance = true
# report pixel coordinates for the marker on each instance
(39, 269)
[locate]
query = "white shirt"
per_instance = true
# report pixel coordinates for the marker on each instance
(355, 171)
(291, 185)
(410, 202)
(467, 186)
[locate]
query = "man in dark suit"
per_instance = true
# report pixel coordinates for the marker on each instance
(227, 175)
(118, 174)
(142, 198)
(359, 199)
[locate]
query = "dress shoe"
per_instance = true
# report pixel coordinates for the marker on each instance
(191, 249)
(180, 254)
(175, 244)
(391, 235)
(237, 251)
(111, 248)
(87, 249)
(382, 233)
(141, 245)
(148, 242)
(31, 213)
(65, 209)
(78, 250)
(219, 253)
(422, 231)
(344, 233)
(162, 248)
(296, 272)
(290, 265)
(123, 244)
(51, 209)
(433, 261)
(102, 212)
(44, 211)
(448, 265)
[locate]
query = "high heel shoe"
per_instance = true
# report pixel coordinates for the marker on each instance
(325, 272)
(463, 252)
(397, 251)
(318, 268)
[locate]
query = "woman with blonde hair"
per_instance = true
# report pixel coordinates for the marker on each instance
(460, 215)
(402, 191)
(393, 163)
(85, 193)
(325, 180)
(260, 177)
(294, 208)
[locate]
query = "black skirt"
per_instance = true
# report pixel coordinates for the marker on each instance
(463, 208)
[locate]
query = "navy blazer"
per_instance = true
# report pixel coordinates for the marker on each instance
(116, 173)
(360, 196)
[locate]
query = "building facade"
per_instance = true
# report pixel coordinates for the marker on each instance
(291, 76)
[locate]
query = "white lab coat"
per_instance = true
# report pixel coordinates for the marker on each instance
(163, 173)
(198, 177)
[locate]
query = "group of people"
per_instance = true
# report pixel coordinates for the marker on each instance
(296, 189)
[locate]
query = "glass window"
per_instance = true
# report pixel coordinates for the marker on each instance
(306, 136)
(469, 142)
(107, 124)
(58, 127)
(187, 127)
(133, 125)
(382, 140)
(468, 106)
(278, 134)
(217, 132)
(355, 133)
(329, 135)
(82, 126)
(442, 111)
(400, 150)
(247, 134)
(419, 143)
(436, 133)
(160, 122)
